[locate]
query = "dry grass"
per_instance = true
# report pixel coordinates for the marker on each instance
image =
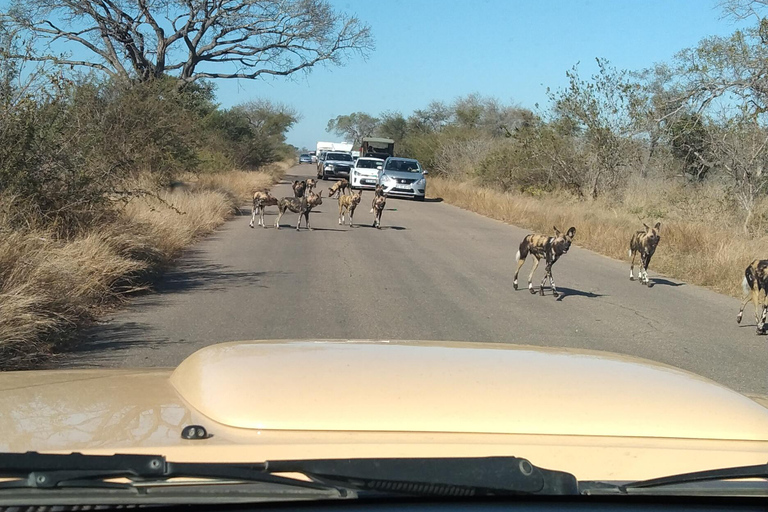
(48, 286)
(702, 247)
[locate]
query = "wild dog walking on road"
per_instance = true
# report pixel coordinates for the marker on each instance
(379, 202)
(756, 281)
(378, 191)
(298, 188)
(311, 184)
(542, 246)
(261, 199)
(300, 205)
(341, 186)
(644, 243)
(348, 204)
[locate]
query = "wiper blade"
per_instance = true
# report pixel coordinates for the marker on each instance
(402, 476)
(735, 473)
(462, 476)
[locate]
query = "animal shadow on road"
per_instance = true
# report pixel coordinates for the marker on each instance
(570, 292)
(663, 282)
(396, 228)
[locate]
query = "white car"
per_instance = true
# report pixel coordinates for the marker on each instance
(365, 173)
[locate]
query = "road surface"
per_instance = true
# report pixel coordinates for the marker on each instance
(434, 272)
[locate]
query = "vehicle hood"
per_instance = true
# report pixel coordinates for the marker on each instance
(304, 399)
(339, 162)
(404, 175)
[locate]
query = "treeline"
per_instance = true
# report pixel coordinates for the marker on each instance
(74, 150)
(698, 120)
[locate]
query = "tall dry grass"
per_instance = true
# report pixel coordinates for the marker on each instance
(701, 243)
(48, 287)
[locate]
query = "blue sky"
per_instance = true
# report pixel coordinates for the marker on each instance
(512, 50)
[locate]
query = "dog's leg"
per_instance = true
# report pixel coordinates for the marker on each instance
(279, 216)
(351, 214)
(547, 270)
(341, 214)
(261, 216)
(756, 303)
(552, 283)
(520, 263)
(530, 276)
(632, 265)
(253, 214)
(306, 220)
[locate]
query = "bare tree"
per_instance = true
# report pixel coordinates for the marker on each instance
(192, 39)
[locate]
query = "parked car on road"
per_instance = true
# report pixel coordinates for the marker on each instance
(336, 164)
(365, 173)
(404, 177)
(305, 159)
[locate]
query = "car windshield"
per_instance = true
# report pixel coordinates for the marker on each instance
(344, 157)
(549, 240)
(402, 166)
(368, 164)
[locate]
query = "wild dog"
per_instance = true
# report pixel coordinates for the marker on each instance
(756, 281)
(542, 246)
(301, 205)
(348, 204)
(379, 202)
(261, 199)
(341, 186)
(643, 243)
(378, 191)
(298, 188)
(311, 184)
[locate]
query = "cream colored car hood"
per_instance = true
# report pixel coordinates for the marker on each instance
(596, 415)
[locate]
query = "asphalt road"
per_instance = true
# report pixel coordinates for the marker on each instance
(433, 272)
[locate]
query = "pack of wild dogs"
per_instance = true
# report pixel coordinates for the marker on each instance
(305, 198)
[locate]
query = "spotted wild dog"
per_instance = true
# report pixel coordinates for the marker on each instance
(341, 186)
(378, 191)
(301, 205)
(756, 281)
(379, 202)
(261, 199)
(311, 184)
(298, 188)
(348, 204)
(542, 246)
(643, 243)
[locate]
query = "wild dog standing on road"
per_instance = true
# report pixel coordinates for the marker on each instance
(542, 246)
(341, 186)
(378, 191)
(300, 205)
(298, 188)
(379, 202)
(756, 281)
(261, 199)
(311, 184)
(644, 243)
(348, 204)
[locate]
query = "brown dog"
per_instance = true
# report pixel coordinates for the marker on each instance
(341, 186)
(756, 281)
(643, 243)
(301, 205)
(379, 202)
(298, 188)
(261, 199)
(348, 204)
(378, 191)
(542, 246)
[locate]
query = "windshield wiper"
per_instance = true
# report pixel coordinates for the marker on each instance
(404, 476)
(682, 483)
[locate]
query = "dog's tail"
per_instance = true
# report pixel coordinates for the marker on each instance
(748, 283)
(629, 253)
(517, 255)
(522, 251)
(745, 285)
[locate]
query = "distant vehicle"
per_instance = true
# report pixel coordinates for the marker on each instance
(376, 147)
(365, 173)
(313, 156)
(404, 177)
(304, 158)
(335, 165)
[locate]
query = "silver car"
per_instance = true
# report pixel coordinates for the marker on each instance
(365, 173)
(404, 177)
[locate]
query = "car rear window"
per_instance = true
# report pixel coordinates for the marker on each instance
(346, 157)
(368, 164)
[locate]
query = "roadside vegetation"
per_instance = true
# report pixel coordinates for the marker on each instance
(684, 143)
(111, 164)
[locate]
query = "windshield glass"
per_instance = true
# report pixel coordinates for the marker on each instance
(402, 166)
(470, 296)
(368, 164)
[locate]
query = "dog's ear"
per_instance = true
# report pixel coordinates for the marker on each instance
(571, 232)
(657, 226)
(646, 226)
(557, 231)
